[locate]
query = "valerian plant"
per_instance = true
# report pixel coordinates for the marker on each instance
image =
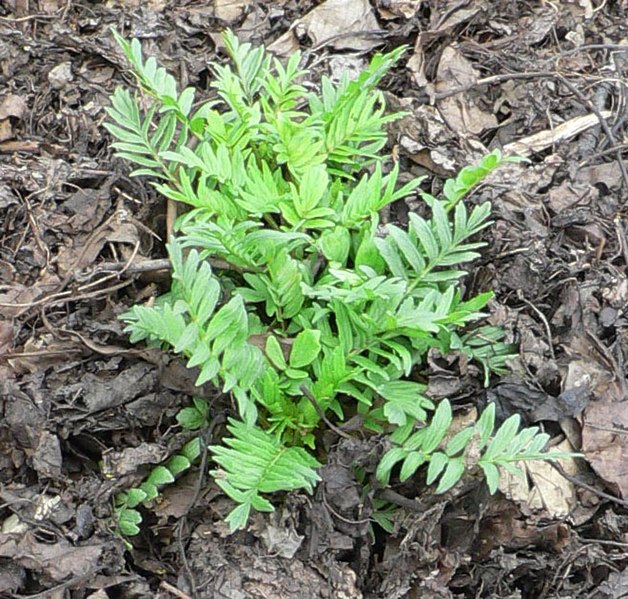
(288, 292)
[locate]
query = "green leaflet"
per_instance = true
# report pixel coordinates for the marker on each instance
(474, 446)
(255, 462)
(305, 349)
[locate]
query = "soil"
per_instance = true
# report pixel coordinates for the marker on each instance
(85, 414)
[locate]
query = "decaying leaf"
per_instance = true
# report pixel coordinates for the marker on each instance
(604, 438)
(543, 488)
(461, 112)
(230, 10)
(341, 24)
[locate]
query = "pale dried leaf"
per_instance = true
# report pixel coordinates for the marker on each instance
(12, 105)
(341, 24)
(230, 10)
(544, 488)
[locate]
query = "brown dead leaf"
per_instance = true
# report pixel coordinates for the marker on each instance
(607, 173)
(177, 500)
(6, 130)
(449, 13)
(577, 7)
(400, 8)
(230, 10)
(50, 7)
(61, 75)
(617, 294)
(72, 259)
(127, 461)
(41, 353)
(444, 16)
(47, 460)
(460, 112)
(543, 488)
(426, 139)
(22, 417)
(535, 27)
(285, 45)
(13, 106)
(604, 438)
(605, 419)
(100, 393)
(57, 562)
(278, 534)
(571, 194)
(416, 63)
(341, 24)
(17, 299)
(504, 527)
(616, 585)
(534, 351)
(154, 6)
(342, 19)
(346, 65)
(12, 577)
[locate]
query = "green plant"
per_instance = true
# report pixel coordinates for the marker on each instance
(126, 504)
(473, 446)
(313, 309)
(383, 515)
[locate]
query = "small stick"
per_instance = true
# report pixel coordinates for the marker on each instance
(166, 586)
(321, 414)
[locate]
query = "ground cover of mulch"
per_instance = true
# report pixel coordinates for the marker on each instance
(85, 415)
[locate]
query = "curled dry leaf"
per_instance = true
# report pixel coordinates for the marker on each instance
(342, 24)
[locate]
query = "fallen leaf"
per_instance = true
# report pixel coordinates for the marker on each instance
(341, 24)
(13, 106)
(6, 130)
(503, 526)
(543, 488)
(400, 8)
(616, 585)
(12, 576)
(460, 111)
(58, 561)
(607, 173)
(535, 27)
(41, 353)
(604, 438)
(120, 463)
(230, 10)
(47, 458)
(570, 194)
(103, 393)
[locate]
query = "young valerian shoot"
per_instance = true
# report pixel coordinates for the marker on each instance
(317, 311)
